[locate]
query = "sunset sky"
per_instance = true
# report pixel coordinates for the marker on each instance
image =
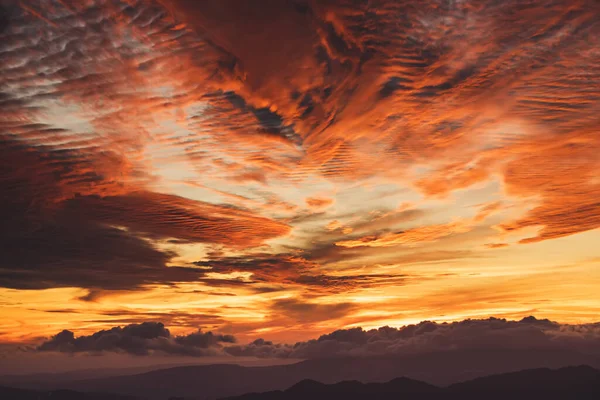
(280, 169)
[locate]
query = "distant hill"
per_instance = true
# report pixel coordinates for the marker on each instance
(58, 379)
(25, 394)
(214, 381)
(569, 379)
(581, 383)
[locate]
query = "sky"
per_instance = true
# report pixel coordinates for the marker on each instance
(284, 169)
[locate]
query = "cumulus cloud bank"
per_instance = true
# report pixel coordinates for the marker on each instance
(138, 339)
(426, 337)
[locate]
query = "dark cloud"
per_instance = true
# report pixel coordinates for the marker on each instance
(303, 312)
(260, 348)
(189, 320)
(63, 226)
(426, 337)
(44, 246)
(270, 122)
(4, 18)
(293, 269)
(161, 216)
(264, 267)
(75, 199)
(139, 339)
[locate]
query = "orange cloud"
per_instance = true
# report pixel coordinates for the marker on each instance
(333, 225)
(562, 180)
(80, 221)
(410, 237)
(260, 107)
(318, 202)
(496, 245)
(487, 210)
(166, 216)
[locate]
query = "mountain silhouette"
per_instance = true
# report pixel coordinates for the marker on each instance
(8, 393)
(208, 382)
(563, 379)
(580, 383)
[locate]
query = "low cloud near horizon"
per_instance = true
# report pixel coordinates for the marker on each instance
(152, 338)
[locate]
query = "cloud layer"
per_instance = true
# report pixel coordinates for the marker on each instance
(323, 163)
(88, 230)
(139, 339)
(426, 337)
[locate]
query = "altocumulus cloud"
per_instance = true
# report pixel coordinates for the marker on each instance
(426, 337)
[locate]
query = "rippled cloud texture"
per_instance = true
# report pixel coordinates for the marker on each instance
(283, 168)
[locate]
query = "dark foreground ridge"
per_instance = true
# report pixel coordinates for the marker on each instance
(580, 383)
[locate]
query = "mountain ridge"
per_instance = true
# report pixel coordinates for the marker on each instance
(209, 382)
(578, 382)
